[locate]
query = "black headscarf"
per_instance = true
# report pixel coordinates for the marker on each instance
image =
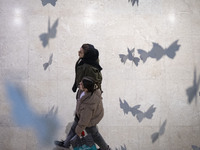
(91, 57)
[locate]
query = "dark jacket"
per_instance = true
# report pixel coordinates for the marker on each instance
(89, 110)
(83, 69)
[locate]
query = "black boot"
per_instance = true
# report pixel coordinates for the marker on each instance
(61, 144)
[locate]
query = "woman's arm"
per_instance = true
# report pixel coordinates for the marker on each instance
(84, 119)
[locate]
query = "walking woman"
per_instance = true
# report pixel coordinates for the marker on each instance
(87, 65)
(89, 112)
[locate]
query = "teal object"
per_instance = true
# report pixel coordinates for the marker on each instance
(84, 143)
(85, 147)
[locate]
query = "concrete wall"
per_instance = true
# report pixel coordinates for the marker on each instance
(152, 105)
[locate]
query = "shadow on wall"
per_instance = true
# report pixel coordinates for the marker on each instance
(135, 112)
(129, 56)
(44, 37)
(195, 147)
(121, 148)
(47, 64)
(193, 90)
(157, 52)
(133, 2)
(52, 2)
(155, 136)
(45, 126)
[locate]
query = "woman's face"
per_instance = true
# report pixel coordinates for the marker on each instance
(81, 87)
(81, 53)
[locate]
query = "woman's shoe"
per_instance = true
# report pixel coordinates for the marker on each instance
(59, 143)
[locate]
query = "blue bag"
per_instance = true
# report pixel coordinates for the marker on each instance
(84, 143)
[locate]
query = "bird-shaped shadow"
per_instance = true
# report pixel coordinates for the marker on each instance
(121, 148)
(193, 90)
(194, 147)
(129, 56)
(45, 126)
(133, 2)
(148, 114)
(52, 2)
(44, 37)
(161, 131)
(47, 64)
(157, 52)
(126, 108)
(135, 112)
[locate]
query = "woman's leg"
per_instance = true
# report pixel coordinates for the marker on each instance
(98, 139)
(70, 135)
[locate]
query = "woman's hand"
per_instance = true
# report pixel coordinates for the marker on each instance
(79, 135)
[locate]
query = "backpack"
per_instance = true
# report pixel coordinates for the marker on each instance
(95, 74)
(89, 70)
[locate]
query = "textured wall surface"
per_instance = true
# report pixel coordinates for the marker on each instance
(149, 51)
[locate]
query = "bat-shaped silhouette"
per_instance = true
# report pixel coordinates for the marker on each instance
(121, 148)
(45, 127)
(135, 112)
(161, 131)
(193, 90)
(46, 65)
(148, 114)
(195, 147)
(157, 52)
(133, 2)
(129, 56)
(44, 37)
(52, 2)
